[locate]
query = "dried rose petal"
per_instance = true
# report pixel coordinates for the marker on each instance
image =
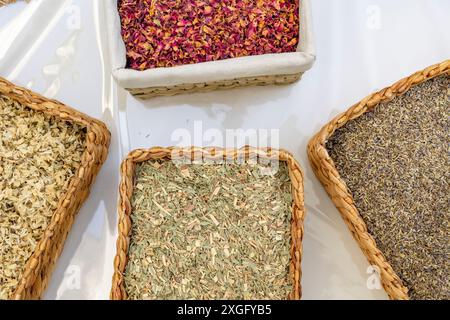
(167, 33)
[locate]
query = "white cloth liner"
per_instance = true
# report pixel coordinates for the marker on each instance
(251, 66)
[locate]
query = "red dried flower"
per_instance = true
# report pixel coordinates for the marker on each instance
(167, 33)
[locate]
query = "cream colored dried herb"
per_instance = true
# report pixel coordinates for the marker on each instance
(38, 156)
(217, 231)
(395, 161)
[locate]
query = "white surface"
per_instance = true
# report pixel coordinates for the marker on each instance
(362, 45)
(229, 69)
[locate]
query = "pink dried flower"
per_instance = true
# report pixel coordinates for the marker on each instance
(167, 33)
(207, 10)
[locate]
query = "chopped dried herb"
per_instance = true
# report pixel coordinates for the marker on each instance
(172, 32)
(395, 161)
(209, 232)
(38, 156)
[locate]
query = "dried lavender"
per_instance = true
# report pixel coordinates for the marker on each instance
(395, 161)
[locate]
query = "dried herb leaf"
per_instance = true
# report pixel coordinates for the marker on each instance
(217, 231)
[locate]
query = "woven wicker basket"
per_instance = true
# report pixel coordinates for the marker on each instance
(267, 69)
(328, 175)
(126, 190)
(5, 2)
(39, 266)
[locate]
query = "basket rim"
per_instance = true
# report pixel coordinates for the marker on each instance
(94, 155)
(127, 171)
(327, 173)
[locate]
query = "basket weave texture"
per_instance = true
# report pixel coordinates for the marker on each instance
(325, 170)
(127, 171)
(145, 93)
(5, 2)
(39, 266)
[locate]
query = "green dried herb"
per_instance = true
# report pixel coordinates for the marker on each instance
(395, 161)
(217, 231)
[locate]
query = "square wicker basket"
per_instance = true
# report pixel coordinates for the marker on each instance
(172, 153)
(39, 266)
(281, 68)
(326, 172)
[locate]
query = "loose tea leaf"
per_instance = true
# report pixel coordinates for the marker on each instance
(38, 156)
(217, 231)
(395, 161)
(171, 32)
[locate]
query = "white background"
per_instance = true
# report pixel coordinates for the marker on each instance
(59, 48)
